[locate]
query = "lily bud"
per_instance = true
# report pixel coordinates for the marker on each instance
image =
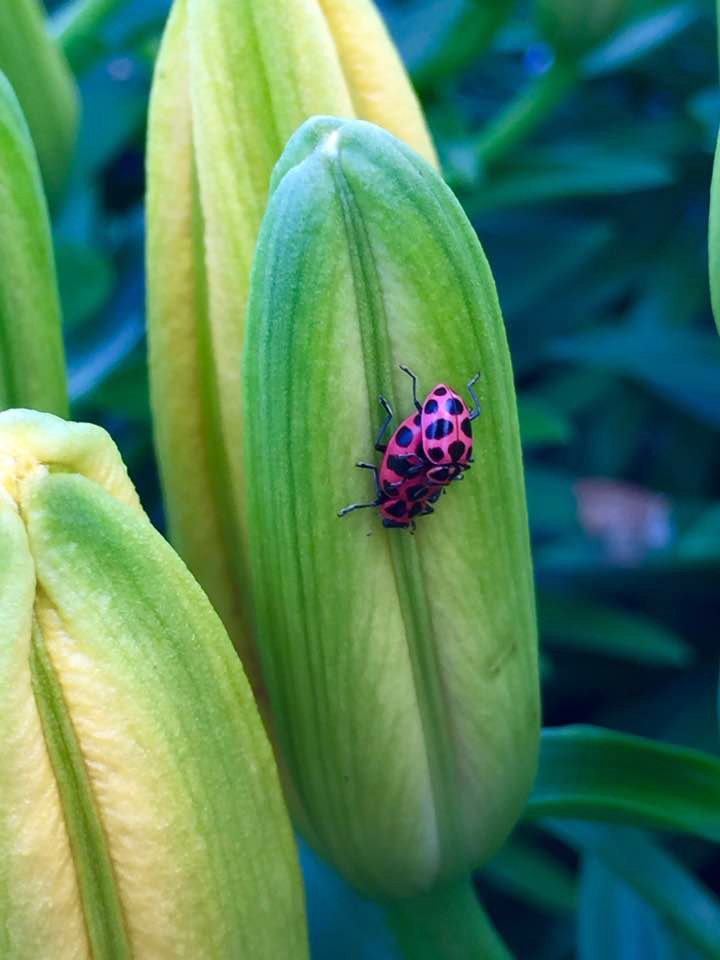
(32, 364)
(714, 238)
(233, 81)
(140, 813)
(402, 670)
(44, 86)
(574, 28)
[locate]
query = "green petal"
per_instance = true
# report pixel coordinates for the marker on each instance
(714, 238)
(171, 837)
(32, 363)
(232, 84)
(44, 85)
(36, 864)
(402, 670)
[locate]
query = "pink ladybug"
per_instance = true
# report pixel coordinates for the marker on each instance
(399, 503)
(446, 429)
(409, 480)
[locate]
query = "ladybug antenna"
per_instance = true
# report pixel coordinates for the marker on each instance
(475, 412)
(414, 385)
(380, 445)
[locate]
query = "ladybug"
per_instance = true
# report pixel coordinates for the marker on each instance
(408, 482)
(399, 503)
(402, 492)
(446, 427)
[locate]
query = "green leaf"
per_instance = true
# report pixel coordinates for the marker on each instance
(642, 37)
(598, 628)
(85, 278)
(679, 365)
(595, 774)
(571, 169)
(702, 541)
(526, 870)
(684, 904)
(615, 921)
(551, 501)
(541, 423)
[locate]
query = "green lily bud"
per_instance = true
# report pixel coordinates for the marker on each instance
(140, 812)
(402, 670)
(574, 28)
(32, 363)
(232, 83)
(44, 86)
(714, 238)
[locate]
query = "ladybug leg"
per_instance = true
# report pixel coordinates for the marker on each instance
(376, 472)
(475, 412)
(356, 506)
(414, 386)
(379, 445)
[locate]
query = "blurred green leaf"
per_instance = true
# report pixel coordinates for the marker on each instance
(593, 627)
(684, 904)
(572, 169)
(595, 774)
(642, 37)
(551, 501)
(527, 871)
(115, 95)
(615, 921)
(702, 540)
(680, 365)
(85, 278)
(541, 423)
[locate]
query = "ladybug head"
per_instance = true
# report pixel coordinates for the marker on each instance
(444, 474)
(442, 401)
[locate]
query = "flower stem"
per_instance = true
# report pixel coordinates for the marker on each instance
(529, 109)
(472, 32)
(76, 28)
(449, 924)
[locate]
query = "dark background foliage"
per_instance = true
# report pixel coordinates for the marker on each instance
(596, 229)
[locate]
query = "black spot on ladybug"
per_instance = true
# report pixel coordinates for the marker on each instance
(466, 427)
(453, 405)
(417, 492)
(431, 406)
(419, 449)
(415, 509)
(440, 391)
(404, 436)
(438, 429)
(397, 509)
(399, 465)
(416, 420)
(456, 449)
(435, 453)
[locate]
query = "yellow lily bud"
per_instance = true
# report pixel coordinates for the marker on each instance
(233, 81)
(402, 670)
(44, 86)
(140, 811)
(32, 361)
